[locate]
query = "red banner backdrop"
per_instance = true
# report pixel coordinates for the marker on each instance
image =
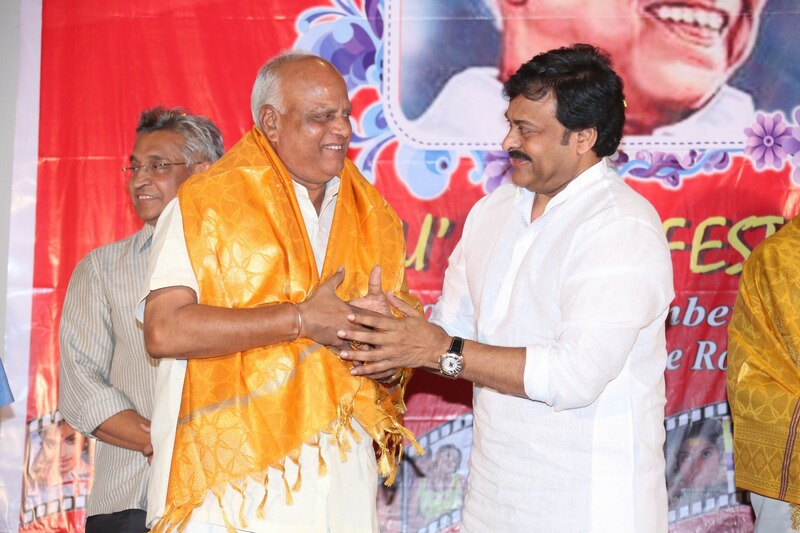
(103, 61)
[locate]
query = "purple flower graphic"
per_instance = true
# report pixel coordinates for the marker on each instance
(791, 145)
(717, 161)
(618, 158)
(764, 140)
(498, 170)
(668, 167)
(348, 35)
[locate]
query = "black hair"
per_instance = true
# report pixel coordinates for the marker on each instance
(588, 93)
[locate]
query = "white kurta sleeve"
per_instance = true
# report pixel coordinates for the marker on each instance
(169, 264)
(454, 311)
(618, 286)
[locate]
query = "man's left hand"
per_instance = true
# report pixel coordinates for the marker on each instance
(407, 342)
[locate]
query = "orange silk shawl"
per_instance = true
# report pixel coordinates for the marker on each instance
(243, 413)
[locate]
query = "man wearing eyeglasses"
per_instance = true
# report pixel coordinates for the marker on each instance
(106, 377)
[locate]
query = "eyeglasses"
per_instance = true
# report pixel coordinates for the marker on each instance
(158, 169)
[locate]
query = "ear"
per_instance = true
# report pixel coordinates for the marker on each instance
(201, 167)
(585, 140)
(268, 121)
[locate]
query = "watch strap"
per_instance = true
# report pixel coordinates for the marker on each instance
(456, 345)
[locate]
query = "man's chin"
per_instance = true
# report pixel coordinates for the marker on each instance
(148, 214)
(667, 76)
(335, 170)
(519, 179)
(670, 94)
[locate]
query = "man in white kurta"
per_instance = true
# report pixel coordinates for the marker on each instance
(559, 288)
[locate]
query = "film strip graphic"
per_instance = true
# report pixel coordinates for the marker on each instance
(710, 422)
(443, 432)
(42, 499)
(456, 432)
(695, 436)
(53, 507)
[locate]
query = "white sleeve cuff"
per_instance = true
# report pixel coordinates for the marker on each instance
(536, 379)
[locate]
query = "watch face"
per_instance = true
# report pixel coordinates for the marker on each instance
(450, 364)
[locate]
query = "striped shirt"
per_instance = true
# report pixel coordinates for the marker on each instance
(105, 368)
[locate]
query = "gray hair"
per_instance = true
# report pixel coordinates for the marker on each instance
(202, 138)
(267, 88)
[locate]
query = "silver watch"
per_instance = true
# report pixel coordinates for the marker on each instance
(452, 361)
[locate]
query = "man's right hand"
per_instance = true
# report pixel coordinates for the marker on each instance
(324, 313)
(125, 429)
(177, 326)
(147, 451)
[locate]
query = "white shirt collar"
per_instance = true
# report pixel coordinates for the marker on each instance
(524, 200)
(331, 190)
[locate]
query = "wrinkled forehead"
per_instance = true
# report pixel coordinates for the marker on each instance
(312, 80)
(523, 107)
(157, 145)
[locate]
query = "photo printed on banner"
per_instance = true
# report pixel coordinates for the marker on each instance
(58, 472)
(428, 495)
(677, 93)
(699, 457)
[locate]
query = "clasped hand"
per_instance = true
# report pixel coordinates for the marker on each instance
(405, 342)
(324, 313)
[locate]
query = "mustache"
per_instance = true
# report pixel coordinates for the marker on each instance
(516, 154)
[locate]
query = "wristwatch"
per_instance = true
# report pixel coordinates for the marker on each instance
(452, 361)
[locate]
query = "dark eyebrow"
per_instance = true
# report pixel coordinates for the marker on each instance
(518, 121)
(522, 122)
